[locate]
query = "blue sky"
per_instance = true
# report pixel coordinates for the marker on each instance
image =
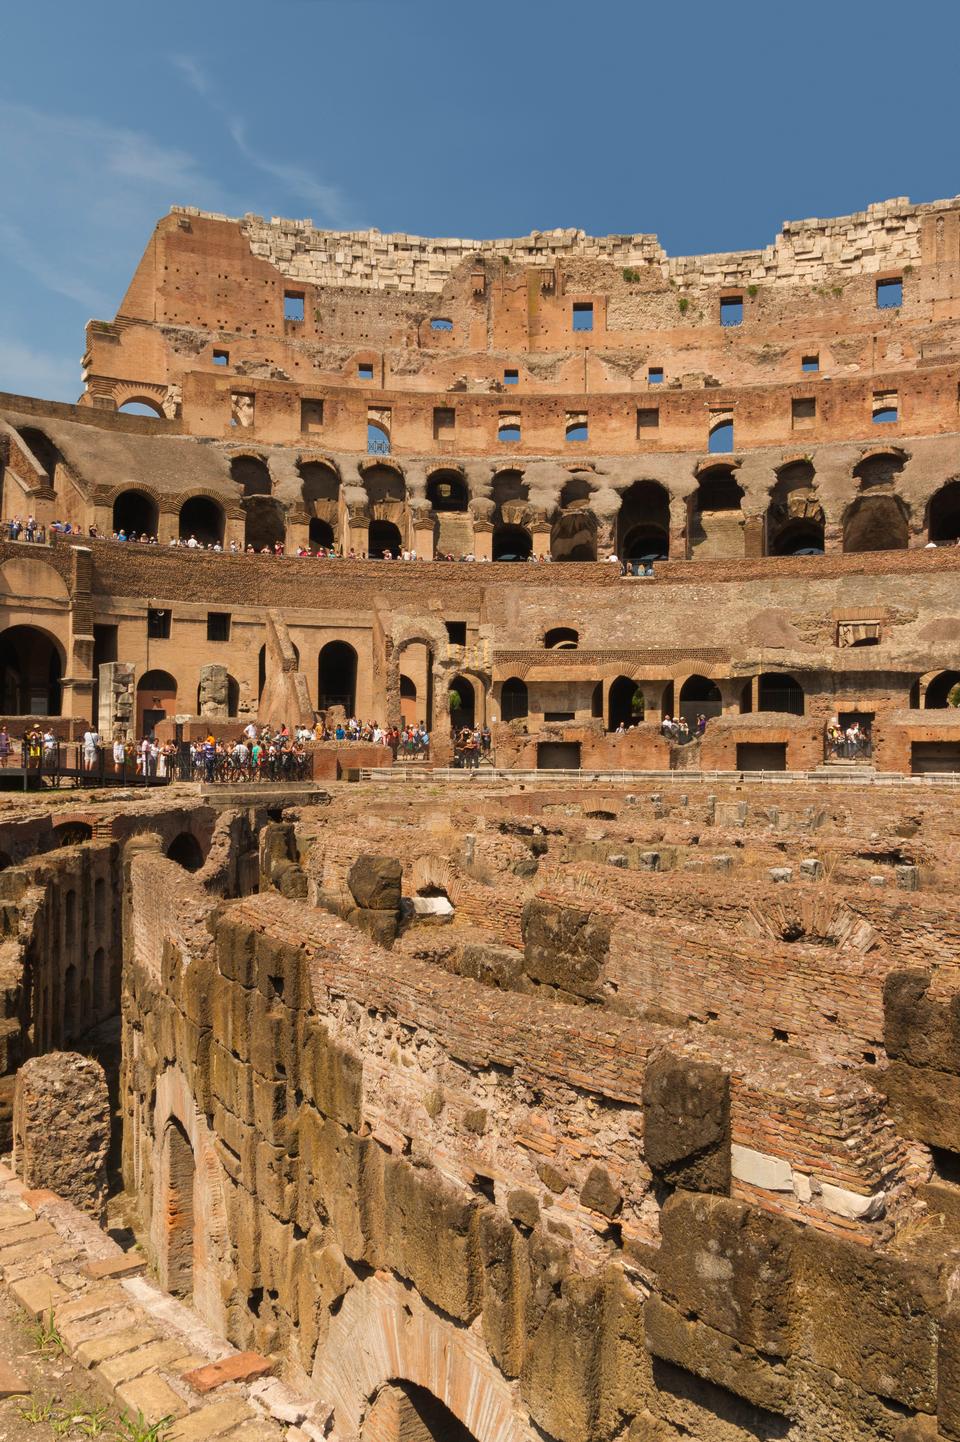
(708, 124)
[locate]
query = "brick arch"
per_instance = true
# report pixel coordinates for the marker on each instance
(109, 494)
(384, 1333)
(229, 505)
(816, 920)
(436, 871)
(211, 1247)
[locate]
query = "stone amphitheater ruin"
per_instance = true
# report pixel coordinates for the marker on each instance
(610, 1092)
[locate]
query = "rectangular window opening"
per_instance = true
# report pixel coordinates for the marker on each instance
(810, 363)
(218, 625)
(655, 376)
(583, 315)
(456, 632)
(158, 624)
(444, 422)
(731, 310)
(890, 294)
(311, 415)
(221, 358)
(365, 370)
(511, 378)
(440, 322)
(648, 419)
(294, 303)
(803, 413)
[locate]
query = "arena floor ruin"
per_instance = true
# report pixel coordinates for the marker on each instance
(491, 1110)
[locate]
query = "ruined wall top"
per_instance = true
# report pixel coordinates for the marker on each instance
(886, 234)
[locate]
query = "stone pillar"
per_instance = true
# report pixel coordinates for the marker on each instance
(753, 536)
(233, 530)
(653, 692)
(540, 531)
(424, 536)
(731, 690)
(483, 540)
(679, 512)
(61, 1129)
(214, 691)
(117, 699)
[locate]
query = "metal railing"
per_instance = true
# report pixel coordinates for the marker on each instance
(672, 778)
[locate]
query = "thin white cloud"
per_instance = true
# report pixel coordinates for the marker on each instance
(330, 206)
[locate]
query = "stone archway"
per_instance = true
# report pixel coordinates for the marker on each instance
(383, 1334)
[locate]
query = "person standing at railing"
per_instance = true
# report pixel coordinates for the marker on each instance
(5, 746)
(91, 741)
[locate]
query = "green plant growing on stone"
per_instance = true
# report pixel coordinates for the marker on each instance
(138, 1429)
(81, 1420)
(630, 273)
(454, 700)
(684, 304)
(752, 291)
(35, 1409)
(953, 695)
(46, 1334)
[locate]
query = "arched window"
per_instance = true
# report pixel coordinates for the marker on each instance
(795, 522)
(575, 493)
(509, 487)
(31, 671)
(936, 697)
(779, 692)
(561, 638)
(508, 431)
(136, 514)
(514, 704)
(156, 700)
(384, 536)
(321, 533)
(720, 442)
(319, 482)
(186, 851)
(447, 491)
(383, 483)
(252, 474)
(624, 703)
(202, 518)
(140, 407)
(799, 538)
(699, 696)
(263, 523)
(875, 523)
(718, 490)
(378, 440)
(461, 701)
(943, 514)
(643, 525)
(337, 680)
(578, 431)
(512, 543)
(408, 700)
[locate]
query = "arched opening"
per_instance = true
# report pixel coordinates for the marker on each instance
(461, 702)
(156, 700)
(573, 536)
(799, 538)
(263, 523)
(136, 514)
(561, 638)
(718, 490)
(72, 1019)
(938, 690)
(405, 1412)
(378, 440)
(575, 494)
(337, 680)
(141, 407)
(643, 525)
(512, 543)
(202, 518)
(384, 537)
(509, 488)
(795, 521)
(624, 703)
(699, 696)
(447, 491)
(596, 702)
(943, 515)
(233, 696)
(320, 482)
(408, 700)
(879, 469)
(321, 534)
(384, 483)
(777, 692)
(720, 441)
(100, 998)
(252, 475)
(875, 523)
(716, 521)
(71, 833)
(178, 1180)
(514, 703)
(31, 671)
(186, 851)
(914, 695)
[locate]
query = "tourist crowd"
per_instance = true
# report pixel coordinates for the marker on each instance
(679, 730)
(847, 742)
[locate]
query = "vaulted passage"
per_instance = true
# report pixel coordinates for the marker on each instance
(337, 681)
(31, 668)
